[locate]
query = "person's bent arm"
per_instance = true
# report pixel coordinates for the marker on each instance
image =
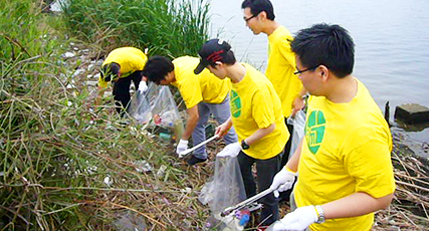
(223, 129)
(191, 122)
(293, 162)
(259, 134)
(356, 204)
(298, 103)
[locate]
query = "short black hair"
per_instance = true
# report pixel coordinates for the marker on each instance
(257, 6)
(157, 68)
(110, 71)
(323, 44)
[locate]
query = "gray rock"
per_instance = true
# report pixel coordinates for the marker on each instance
(78, 72)
(99, 62)
(412, 113)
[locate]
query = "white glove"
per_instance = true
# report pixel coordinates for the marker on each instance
(182, 146)
(142, 86)
(299, 219)
(282, 181)
(231, 150)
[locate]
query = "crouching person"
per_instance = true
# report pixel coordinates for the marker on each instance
(121, 67)
(202, 93)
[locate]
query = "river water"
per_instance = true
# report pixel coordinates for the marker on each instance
(391, 37)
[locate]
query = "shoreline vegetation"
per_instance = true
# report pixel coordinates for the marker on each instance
(68, 166)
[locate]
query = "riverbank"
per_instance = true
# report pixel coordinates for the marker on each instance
(66, 165)
(407, 212)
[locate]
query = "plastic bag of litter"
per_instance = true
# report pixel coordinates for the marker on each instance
(298, 123)
(139, 108)
(157, 106)
(225, 189)
(164, 110)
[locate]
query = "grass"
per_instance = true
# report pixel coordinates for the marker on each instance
(56, 152)
(167, 27)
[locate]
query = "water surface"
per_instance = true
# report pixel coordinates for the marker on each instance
(391, 37)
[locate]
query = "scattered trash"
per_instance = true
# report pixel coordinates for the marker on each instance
(70, 86)
(186, 190)
(108, 181)
(142, 166)
(243, 215)
(90, 67)
(58, 5)
(68, 54)
(161, 171)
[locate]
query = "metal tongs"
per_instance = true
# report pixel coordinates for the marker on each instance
(246, 202)
(187, 151)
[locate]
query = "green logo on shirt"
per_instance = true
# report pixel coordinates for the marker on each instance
(315, 130)
(235, 104)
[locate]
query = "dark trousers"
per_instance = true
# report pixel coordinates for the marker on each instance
(266, 170)
(121, 91)
(286, 153)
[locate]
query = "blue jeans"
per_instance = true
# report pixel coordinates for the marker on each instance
(265, 171)
(221, 113)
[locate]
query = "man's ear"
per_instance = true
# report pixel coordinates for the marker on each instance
(262, 16)
(324, 72)
(218, 63)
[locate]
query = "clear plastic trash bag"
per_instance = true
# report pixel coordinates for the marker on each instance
(298, 123)
(225, 189)
(139, 108)
(165, 112)
(157, 106)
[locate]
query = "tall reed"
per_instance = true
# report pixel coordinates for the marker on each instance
(62, 165)
(167, 27)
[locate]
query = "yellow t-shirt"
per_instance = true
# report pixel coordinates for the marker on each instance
(346, 149)
(255, 105)
(281, 66)
(196, 88)
(130, 59)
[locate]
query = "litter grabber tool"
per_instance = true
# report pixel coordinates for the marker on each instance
(246, 203)
(187, 151)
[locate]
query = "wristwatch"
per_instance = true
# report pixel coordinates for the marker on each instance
(244, 146)
(320, 214)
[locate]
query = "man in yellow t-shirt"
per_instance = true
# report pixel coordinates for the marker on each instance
(202, 93)
(257, 119)
(344, 161)
(122, 65)
(259, 17)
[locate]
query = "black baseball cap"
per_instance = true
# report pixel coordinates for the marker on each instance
(212, 51)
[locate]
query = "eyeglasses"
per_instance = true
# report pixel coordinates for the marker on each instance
(298, 72)
(247, 19)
